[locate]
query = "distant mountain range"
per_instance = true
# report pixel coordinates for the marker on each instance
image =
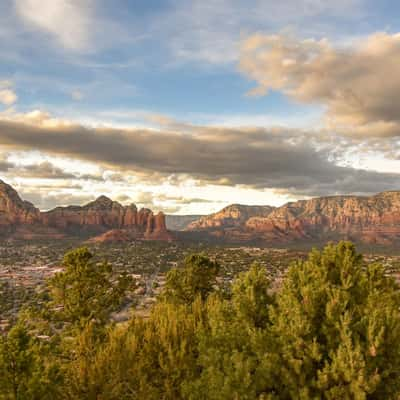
(370, 220)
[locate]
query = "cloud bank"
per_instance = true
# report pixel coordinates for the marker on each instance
(280, 159)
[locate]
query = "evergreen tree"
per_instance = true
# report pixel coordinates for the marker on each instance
(236, 351)
(168, 349)
(332, 331)
(196, 278)
(82, 379)
(149, 359)
(85, 290)
(337, 326)
(26, 368)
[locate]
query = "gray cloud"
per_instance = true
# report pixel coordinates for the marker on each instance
(359, 84)
(45, 170)
(182, 199)
(261, 158)
(44, 201)
(150, 199)
(5, 166)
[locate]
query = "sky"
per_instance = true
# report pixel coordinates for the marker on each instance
(187, 106)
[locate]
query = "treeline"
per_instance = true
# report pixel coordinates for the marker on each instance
(331, 331)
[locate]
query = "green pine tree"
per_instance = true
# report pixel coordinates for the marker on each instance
(196, 278)
(27, 368)
(337, 325)
(85, 290)
(236, 351)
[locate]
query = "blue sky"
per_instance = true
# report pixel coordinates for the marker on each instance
(174, 57)
(186, 68)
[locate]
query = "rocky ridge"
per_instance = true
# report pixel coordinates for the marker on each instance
(234, 215)
(374, 220)
(371, 220)
(21, 219)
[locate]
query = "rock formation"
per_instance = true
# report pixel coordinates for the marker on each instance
(234, 215)
(374, 219)
(21, 219)
(13, 210)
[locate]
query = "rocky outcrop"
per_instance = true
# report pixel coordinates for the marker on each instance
(374, 219)
(101, 213)
(234, 215)
(156, 227)
(13, 210)
(155, 230)
(94, 218)
(115, 236)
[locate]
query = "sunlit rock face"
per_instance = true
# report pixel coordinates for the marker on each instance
(230, 216)
(96, 217)
(374, 219)
(13, 210)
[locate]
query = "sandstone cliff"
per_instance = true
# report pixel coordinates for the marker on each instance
(374, 220)
(234, 215)
(21, 219)
(13, 210)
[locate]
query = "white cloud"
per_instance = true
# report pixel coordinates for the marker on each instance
(211, 30)
(358, 84)
(8, 97)
(68, 21)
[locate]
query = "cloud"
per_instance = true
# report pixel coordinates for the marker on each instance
(210, 30)
(5, 166)
(182, 199)
(358, 85)
(40, 170)
(7, 95)
(46, 170)
(281, 159)
(124, 198)
(68, 21)
(45, 201)
(168, 203)
(151, 199)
